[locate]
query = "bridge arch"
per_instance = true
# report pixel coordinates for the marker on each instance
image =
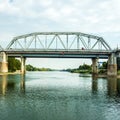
(58, 41)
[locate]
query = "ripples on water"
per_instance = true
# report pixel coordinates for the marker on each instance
(58, 96)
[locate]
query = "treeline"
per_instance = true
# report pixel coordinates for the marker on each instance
(31, 68)
(81, 69)
(88, 68)
(15, 64)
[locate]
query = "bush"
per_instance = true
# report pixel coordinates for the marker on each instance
(13, 64)
(118, 72)
(103, 71)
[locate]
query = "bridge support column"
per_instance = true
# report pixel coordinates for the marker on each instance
(112, 65)
(94, 65)
(23, 69)
(3, 63)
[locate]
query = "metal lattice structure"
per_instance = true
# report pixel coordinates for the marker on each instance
(65, 41)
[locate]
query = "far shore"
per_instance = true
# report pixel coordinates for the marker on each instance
(105, 76)
(99, 75)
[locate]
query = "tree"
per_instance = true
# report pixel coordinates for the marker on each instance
(13, 64)
(85, 67)
(104, 65)
(30, 68)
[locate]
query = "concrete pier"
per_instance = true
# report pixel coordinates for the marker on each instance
(3, 62)
(112, 65)
(95, 65)
(23, 68)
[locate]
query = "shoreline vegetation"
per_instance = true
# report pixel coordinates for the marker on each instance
(14, 66)
(87, 69)
(32, 68)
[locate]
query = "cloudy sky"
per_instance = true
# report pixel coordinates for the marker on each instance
(97, 17)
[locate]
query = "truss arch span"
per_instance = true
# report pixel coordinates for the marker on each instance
(66, 41)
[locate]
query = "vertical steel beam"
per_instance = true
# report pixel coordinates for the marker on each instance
(56, 43)
(89, 43)
(25, 42)
(35, 42)
(67, 41)
(78, 42)
(45, 41)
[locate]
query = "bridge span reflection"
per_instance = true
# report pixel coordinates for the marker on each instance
(8, 84)
(11, 83)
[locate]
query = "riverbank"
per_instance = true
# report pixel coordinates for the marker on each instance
(81, 74)
(10, 73)
(100, 76)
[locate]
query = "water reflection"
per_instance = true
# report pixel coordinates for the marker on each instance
(3, 84)
(118, 86)
(112, 86)
(41, 96)
(8, 84)
(94, 84)
(22, 84)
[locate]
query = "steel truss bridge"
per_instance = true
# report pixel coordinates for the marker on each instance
(58, 45)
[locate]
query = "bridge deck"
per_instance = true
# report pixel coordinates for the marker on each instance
(59, 53)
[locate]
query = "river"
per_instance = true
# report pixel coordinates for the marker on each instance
(59, 96)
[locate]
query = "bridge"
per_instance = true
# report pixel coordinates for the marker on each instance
(58, 45)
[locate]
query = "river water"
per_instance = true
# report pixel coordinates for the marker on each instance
(59, 96)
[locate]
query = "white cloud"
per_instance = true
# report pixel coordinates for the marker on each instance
(5, 38)
(6, 7)
(90, 16)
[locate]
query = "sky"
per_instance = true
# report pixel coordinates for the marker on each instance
(97, 17)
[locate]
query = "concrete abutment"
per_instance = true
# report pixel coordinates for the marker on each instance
(95, 65)
(23, 68)
(112, 65)
(3, 62)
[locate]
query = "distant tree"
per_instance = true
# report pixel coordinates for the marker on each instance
(81, 69)
(13, 64)
(85, 67)
(17, 64)
(31, 68)
(104, 65)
